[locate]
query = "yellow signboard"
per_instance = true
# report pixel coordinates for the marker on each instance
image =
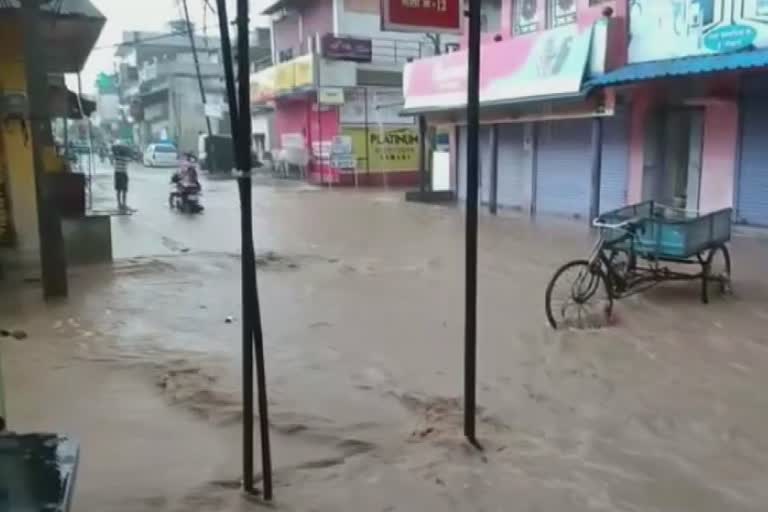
(391, 149)
(284, 73)
(284, 78)
(302, 72)
(263, 85)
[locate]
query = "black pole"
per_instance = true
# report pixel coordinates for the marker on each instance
(197, 65)
(53, 260)
(597, 167)
(422, 156)
(244, 143)
(229, 75)
(473, 164)
(494, 185)
(240, 120)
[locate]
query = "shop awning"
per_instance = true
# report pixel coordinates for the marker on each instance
(686, 66)
(68, 30)
(63, 102)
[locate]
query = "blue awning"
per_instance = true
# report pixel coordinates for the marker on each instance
(685, 66)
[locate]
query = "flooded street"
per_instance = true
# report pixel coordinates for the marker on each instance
(362, 305)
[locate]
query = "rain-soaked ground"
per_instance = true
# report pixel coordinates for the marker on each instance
(362, 302)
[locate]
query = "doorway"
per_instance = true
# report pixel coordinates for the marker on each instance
(674, 141)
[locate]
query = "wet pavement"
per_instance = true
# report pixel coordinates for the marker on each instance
(362, 299)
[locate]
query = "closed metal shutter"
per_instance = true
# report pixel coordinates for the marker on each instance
(563, 167)
(752, 198)
(615, 163)
(512, 166)
(485, 164)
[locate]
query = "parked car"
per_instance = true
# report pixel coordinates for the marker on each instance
(161, 155)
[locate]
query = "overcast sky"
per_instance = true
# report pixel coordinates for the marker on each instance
(147, 15)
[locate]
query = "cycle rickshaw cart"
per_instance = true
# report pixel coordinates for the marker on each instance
(640, 246)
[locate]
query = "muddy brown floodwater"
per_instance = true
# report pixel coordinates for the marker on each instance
(362, 300)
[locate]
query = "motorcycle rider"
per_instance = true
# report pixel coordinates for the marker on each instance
(185, 180)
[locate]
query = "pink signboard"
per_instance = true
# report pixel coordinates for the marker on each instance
(552, 63)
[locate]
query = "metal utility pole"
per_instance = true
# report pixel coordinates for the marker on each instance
(52, 253)
(197, 64)
(252, 335)
(91, 155)
(473, 164)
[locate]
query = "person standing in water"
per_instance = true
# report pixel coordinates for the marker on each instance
(120, 159)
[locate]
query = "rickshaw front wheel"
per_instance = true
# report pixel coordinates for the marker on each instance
(578, 295)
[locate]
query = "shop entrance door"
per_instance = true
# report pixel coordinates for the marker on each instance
(672, 157)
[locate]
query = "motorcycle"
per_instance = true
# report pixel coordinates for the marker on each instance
(185, 195)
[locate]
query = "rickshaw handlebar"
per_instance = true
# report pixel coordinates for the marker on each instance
(598, 223)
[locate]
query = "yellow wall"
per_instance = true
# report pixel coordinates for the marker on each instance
(18, 152)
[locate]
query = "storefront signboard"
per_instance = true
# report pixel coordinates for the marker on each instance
(356, 49)
(421, 15)
(550, 65)
(668, 29)
(388, 150)
(330, 95)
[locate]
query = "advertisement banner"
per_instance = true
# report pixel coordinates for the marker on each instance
(421, 15)
(387, 150)
(667, 29)
(550, 64)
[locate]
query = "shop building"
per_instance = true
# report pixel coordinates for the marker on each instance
(695, 78)
(586, 106)
(335, 92)
(539, 135)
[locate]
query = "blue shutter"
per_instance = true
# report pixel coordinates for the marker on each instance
(752, 198)
(563, 167)
(615, 165)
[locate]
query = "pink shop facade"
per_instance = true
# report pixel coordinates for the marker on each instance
(676, 87)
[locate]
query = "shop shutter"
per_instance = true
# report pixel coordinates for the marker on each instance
(485, 164)
(752, 195)
(512, 166)
(615, 163)
(563, 167)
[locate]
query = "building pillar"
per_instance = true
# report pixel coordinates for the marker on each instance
(423, 157)
(52, 251)
(494, 171)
